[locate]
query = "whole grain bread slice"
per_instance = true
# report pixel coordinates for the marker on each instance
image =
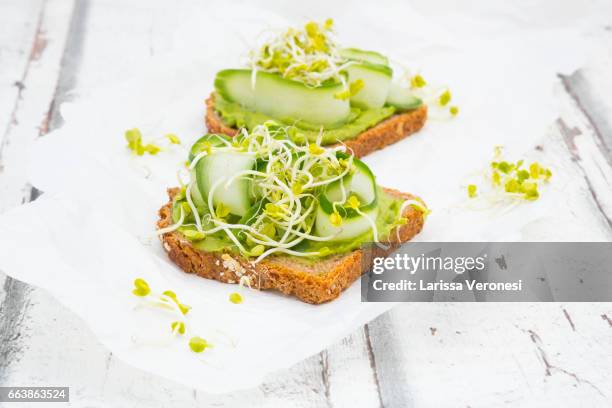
(311, 282)
(389, 131)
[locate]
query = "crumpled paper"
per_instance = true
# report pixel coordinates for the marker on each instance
(92, 232)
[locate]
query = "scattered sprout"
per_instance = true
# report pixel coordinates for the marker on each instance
(182, 307)
(178, 327)
(198, 344)
(168, 299)
(417, 81)
(445, 98)
(496, 178)
(235, 298)
(135, 143)
(134, 139)
(141, 287)
(437, 98)
(173, 138)
(509, 180)
(471, 191)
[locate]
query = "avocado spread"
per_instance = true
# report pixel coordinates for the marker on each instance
(387, 219)
(234, 115)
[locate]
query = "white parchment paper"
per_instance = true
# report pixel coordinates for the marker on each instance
(92, 232)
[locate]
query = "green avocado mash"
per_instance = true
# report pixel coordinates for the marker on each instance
(234, 115)
(388, 218)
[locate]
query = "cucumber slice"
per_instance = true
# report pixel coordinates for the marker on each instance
(210, 139)
(402, 98)
(222, 166)
(376, 79)
(236, 85)
(196, 196)
(286, 100)
(362, 184)
(350, 227)
(355, 54)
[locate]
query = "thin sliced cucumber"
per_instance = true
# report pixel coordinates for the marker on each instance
(196, 196)
(350, 227)
(236, 85)
(361, 184)
(355, 54)
(220, 167)
(376, 80)
(206, 141)
(284, 99)
(402, 98)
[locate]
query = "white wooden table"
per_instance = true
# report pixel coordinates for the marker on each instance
(422, 355)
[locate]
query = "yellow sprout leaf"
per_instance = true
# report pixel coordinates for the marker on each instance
(353, 202)
(170, 294)
(315, 149)
(417, 81)
(496, 178)
(445, 98)
(184, 308)
(547, 174)
(297, 188)
(198, 344)
(534, 170)
(173, 138)
(273, 210)
(472, 191)
(335, 219)
(512, 186)
(178, 327)
(235, 298)
(454, 110)
(141, 287)
(222, 210)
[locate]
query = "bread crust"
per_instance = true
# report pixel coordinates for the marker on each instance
(312, 283)
(389, 131)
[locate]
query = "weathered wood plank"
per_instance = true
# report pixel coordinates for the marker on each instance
(28, 117)
(19, 22)
(447, 355)
(588, 137)
(521, 353)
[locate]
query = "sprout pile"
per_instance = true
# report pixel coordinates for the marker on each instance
(511, 181)
(286, 183)
(309, 54)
